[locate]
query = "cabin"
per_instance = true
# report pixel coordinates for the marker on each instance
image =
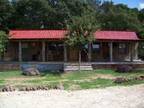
(47, 46)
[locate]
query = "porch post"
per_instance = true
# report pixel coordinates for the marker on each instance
(111, 51)
(89, 51)
(43, 51)
(65, 53)
(20, 51)
(131, 50)
(136, 51)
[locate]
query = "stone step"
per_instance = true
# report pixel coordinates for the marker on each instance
(69, 67)
(77, 64)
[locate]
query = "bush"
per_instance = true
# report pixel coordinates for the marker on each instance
(124, 68)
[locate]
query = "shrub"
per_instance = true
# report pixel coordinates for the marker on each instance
(124, 68)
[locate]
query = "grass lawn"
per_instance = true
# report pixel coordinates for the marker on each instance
(74, 80)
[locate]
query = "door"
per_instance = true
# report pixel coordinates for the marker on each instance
(105, 51)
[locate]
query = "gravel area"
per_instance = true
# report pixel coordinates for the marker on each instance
(112, 97)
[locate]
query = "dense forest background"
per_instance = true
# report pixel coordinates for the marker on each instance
(53, 14)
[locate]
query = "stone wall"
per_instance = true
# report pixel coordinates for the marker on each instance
(39, 66)
(9, 66)
(60, 66)
(43, 67)
(114, 65)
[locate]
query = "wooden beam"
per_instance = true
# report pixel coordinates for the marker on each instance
(111, 51)
(20, 51)
(65, 53)
(43, 51)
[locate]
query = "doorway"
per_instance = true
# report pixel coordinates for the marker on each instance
(105, 51)
(73, 54)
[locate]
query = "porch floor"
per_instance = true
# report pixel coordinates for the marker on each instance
(83, 63)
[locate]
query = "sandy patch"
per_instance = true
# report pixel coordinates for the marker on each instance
(103, 76)
(23, 78)
(113, 97)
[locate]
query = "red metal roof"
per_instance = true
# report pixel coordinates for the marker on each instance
(60, 34)
(116, 35)
(37, 34)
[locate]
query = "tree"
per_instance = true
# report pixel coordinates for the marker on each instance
(119, 17)
(30, 14)
(6, 10)
(81, 29)
(3, 42)
(141, 19)
(59, 14)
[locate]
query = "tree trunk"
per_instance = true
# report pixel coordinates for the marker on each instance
(79, 59)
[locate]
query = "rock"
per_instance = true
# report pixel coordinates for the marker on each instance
(142, 77)
(120, 80)
(22, 89)
(27, 89)
(60, 86)
(139, 78)
(54, 87)
(8, 89)
(31, 71)
(33, 88)
(45, 88)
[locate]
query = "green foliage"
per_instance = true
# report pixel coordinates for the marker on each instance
(141, 50)
(31, 14)
(3, 41)
(81, 80)
(119, 17)
(52, 14)
(81, 28)
(6, 10)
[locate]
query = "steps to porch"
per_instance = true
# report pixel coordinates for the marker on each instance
(76, 66)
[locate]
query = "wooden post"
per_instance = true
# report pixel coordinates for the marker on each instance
(131, 54)
(136, 51)
(89, 51)
(111, 51)
(65, 53)
(20, 51)
(43, 51)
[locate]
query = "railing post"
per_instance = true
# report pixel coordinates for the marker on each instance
(136, 51)
(111, 51)
(131, 54)
(65, 52)
(43, 51)
(20, 51)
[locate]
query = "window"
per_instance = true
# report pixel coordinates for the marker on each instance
(122, 48)
(96, 47)
(54, 51)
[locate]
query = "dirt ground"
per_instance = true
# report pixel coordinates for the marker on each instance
(112, 97)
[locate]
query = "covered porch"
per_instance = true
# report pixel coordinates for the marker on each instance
(49, 46)
(57, 51)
